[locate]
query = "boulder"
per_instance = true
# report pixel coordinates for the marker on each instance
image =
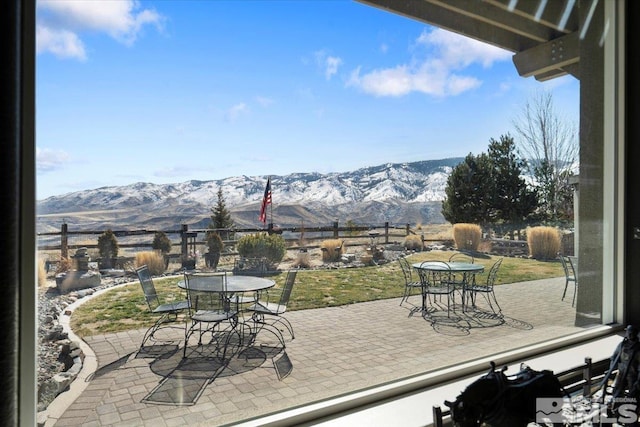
(77, 280)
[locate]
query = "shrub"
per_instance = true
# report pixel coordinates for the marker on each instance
(467, 236)
(413, 242)
(302, 260)
(108, 245)
(262, 245)
(544, 242)
(153, 260)
(214, 242)
(161, 242)
(350, 225)
(331, 250)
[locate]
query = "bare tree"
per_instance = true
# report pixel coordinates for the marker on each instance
(549, 144)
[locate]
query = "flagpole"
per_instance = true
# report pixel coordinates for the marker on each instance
(266, 200)
(271, 205)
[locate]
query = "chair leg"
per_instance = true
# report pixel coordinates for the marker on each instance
(407, 294)
(565, 289)
(226, 344)
(473, 299)
(189, 331)
(260, 318)
(149, 334)
(276, 332)
(575, 291)
(260, 324)
(287, 325)
(493, 295)
(187, 334)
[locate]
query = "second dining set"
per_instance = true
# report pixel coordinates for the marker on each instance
(440, 282)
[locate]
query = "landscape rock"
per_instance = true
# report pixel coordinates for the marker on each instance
(77, 279)
(41, 419)
(60, 359)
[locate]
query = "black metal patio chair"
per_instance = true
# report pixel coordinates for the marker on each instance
(410, 282)
(570, 267)
(485, 288)
(461, 257)
(167, 311)
(273, 304)
(435, 277)
(460, 280)
(212, 309)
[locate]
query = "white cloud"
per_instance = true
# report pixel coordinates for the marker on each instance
(329, 64)
(438, 73)
(62, 43)
(48, 160)
(60, 23)
(236, 111)
(332, 64)
(457, 51)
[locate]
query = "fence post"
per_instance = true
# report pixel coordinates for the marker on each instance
(408, 230)
(64, 241)
(335, 229)
(386, 232)
(184, 250)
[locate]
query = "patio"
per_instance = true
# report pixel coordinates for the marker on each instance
(336, 350)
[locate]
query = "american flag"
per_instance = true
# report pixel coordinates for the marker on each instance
(266, 200)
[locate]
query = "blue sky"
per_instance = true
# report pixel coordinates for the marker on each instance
(169, 91)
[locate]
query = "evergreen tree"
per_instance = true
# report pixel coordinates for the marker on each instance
(488, 189)
(469, 192)
(161, 242)
(108, 245)
(513, 200)
(220, 215)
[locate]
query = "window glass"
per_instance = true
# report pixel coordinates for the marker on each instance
(136, 101)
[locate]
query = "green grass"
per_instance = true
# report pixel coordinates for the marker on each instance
(124, 308)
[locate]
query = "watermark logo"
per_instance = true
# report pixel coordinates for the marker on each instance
(585, 410)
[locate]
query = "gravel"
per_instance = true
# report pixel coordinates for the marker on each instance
(56, 352)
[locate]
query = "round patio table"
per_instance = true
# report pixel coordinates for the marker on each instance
(235, 284)
(467, 269)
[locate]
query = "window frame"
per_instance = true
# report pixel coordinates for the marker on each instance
(19, 227)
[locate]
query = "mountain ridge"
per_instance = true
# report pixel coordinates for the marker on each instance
(391, 192)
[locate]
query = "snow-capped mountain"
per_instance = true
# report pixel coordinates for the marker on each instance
(394, 192)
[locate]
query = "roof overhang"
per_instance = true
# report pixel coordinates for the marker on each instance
(543, 35)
